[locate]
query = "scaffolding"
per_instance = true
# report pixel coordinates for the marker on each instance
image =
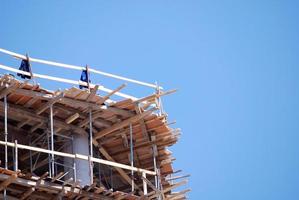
(75, 144)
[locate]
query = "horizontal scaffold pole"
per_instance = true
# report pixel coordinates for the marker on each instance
(78, 156)
(20, 56)
(64, 80)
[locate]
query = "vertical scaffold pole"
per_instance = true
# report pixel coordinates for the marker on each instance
(5, 135)
(74, 161)
(52, 140)
(131, 156)
(144, 183)
(155, 167)
(30, 155)
(158, 99)
(90, 146)
(49, 156)
(5, 129)
(16, 155)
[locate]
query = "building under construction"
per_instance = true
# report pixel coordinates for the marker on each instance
(76, 144)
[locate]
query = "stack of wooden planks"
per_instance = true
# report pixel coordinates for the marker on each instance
(28, 114)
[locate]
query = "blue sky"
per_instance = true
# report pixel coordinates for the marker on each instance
(235, 64)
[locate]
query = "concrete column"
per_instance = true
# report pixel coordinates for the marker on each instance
(80, 146)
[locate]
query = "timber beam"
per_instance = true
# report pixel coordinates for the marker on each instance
(122, 124)
(8, 181)
(21, 112)
(73, 102)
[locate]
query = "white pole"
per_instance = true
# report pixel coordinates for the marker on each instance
(78, 68)
(144, 184)
(64, 80)
(16, 155)
(80, 157)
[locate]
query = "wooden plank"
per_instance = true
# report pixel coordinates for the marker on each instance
(72, 118)
(177, 195)
(74, 102)
(121, 112)
(113, 92)
(37, 126)
(122, 124)
(30, 102)
(8, 181)
(119, 170)
(34, 87)
(64, 80)
(177, 177)
(94, 117)
(150, 184)
(154, 96)
(49, 103)
(27, 193)
(8, 90)
(21, 112)
(141, 122)
(93, 92)
(23, 123)
(165, 190)
(58, 176)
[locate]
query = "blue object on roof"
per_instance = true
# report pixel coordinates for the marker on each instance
(25, 66)
(84, 78)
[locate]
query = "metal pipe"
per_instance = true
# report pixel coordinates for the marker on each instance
(90, 146)
(30, 155)
(16, 155)
(131, 156)
(155, 168)
(20, 56)
(74, 161)
(5, 133)
(144, 183)
(81, 157)
(49, 158)
(63, 136)
(52, 140)
(5, 130)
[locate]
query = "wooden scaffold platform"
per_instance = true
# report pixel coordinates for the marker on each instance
(43, 131)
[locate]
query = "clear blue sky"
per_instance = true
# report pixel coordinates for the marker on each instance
(235, 64)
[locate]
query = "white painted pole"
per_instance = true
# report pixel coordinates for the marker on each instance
(16, 155)
(77, 68)
(144, 184)
(64, 80)
(80, 157)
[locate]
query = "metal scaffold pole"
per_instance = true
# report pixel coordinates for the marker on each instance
(52, 141)
(5, 135)
(131, 156)
(5, 129)
(90, 146)
(16, 155)
(74, 161)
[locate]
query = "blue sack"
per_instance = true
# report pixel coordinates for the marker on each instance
(84, 78)
(25, 66)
